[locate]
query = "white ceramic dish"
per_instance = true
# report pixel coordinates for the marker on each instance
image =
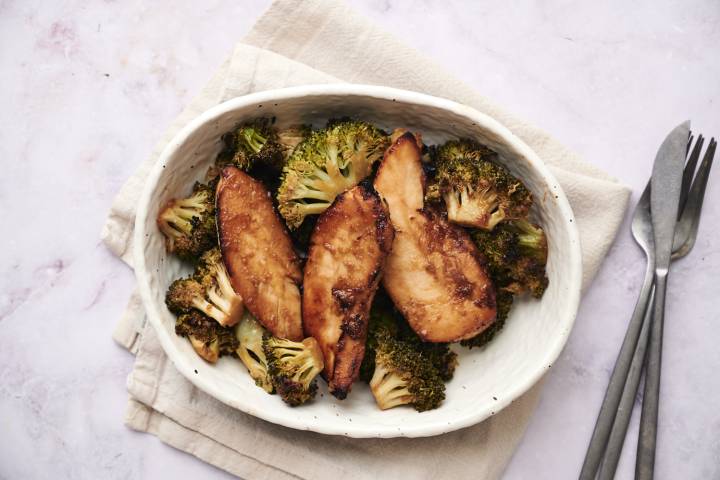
(486, 381)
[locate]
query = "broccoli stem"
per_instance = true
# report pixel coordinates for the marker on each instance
(210, 310)
(174, 225)
(312, 208)
(209, 351)
(300, 357)
(195, 204)
(250, 350)
(308, 189)
(179, 215)
(223, 280)
(253, 139)
(388, 388)
(531, 240)
(189, 223)
(219, 300)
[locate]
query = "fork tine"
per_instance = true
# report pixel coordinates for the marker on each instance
(691, 214)
(690, 140)
(688, 173)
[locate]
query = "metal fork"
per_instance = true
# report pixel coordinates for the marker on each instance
(691, 200)
(647, 439)
(609, 432)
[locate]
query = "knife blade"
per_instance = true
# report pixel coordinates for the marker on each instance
(665, 191)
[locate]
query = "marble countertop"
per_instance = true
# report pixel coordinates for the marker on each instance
(87, 88)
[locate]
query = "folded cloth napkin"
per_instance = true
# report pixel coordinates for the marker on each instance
(322, 41)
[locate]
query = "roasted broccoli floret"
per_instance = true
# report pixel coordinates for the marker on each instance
(207, 290)
(504, 300)
(477, 191)
(384, 319)
(516, 252)
(250, 336)
(403, 376)
(293, 367)
(258, 142)
(209, 339)
(189, 223)
(277, 364)
(250, 143)
(325, 164)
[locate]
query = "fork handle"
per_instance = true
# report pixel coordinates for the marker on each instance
(609, 464)
(613, 394)
(645, 462)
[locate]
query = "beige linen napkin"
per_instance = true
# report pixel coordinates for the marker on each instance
(322, 41)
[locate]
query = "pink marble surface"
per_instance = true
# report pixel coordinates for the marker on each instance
(86, 89)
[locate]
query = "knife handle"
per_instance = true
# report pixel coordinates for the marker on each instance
(647, 439)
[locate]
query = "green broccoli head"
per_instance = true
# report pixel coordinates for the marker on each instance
(325, 164)
(209, 339)
(477, 191)
(441, 357)
(250, 143)
(184, 294)
(208, 290)
(404, 376)
(503, 300)
(293, 367)
(189, 223)
(258, 142)
(250, 336)
(517, 253)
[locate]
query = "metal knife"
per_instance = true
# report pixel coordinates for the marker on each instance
(664, 203)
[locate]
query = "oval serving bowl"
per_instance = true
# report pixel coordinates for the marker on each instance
(487, 379)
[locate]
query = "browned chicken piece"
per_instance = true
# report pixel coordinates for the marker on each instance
(347, 252)
(258, 253)
(435, 275)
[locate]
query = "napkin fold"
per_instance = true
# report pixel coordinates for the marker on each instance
(299, 42)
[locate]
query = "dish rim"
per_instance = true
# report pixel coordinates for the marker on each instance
(383, 93)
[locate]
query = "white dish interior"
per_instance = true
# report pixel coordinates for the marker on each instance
(486, 380)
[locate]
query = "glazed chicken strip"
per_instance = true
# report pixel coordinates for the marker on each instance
(435, 275)
(258, 253)
(348, 249)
